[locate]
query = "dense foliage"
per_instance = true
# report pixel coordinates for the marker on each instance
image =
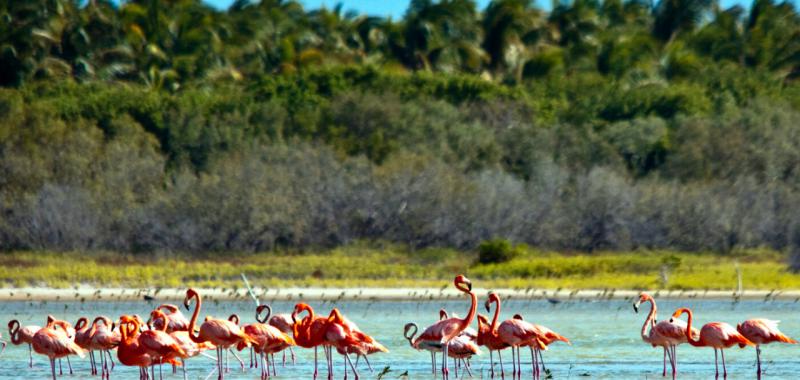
(171, 126)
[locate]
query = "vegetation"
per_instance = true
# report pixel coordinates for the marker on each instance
(173, 128)
(394, 266)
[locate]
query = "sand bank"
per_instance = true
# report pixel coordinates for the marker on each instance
(83, 293)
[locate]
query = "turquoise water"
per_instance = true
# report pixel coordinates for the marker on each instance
(605, 336)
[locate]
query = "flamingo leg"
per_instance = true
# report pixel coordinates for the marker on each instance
(664, 363)
(758, 362)
(674, 361)
(60, 369)
(241, 362)
(91, 363)
(433, 362)
(183, 366)
(30, 356)
(291, 351)
(500, 359)
(220, 364)
(102, 366)
(491, 365)
(445, 371)
(534, 363)
(315, 362)
(519, 362)
(724, 370)
(69, 365)
(513, 363)
(274, 368)
(366, 359)
(716, 364)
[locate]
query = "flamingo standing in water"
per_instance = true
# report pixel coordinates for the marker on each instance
(190, 348)
(103, 339)
(517, 333)
(268, 340)
(446, 330)
(22, 335)
(55, 343)
(409, 331)
(222, 333)
(762, 331)
(309, 332)
(284, 323)
(666, 334)
(487, 336)
(131, 350)
(364, 346)
(83, 338)
(718, 335)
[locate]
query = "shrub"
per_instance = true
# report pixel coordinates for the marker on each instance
(496, 251)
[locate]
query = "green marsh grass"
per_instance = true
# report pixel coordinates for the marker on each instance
(392, 266)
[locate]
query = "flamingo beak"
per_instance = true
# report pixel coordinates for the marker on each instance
(186, 304)
(636, 306)
(469, 285)
(486, 305)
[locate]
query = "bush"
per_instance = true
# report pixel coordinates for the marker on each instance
(496, 251)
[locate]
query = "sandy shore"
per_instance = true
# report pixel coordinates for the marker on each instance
(366, 294)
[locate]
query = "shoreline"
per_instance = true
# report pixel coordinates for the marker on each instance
(85, 293)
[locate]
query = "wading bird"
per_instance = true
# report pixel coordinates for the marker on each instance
(190, 348)
(267, 340)
(222, 333)
(22, 335)
(666, 334)
(762, 331)
(54, 342)
(487, 336)
(103, 339)
(718, 335)
(518, 333)
(446, 330)
(309, 332)
(284, 323)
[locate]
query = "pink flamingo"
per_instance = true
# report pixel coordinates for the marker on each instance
(221, 333)
(55, 343)
(762, 331)
(365, 344)
(190, 348)
(22, 334)
(446, 330)
(665, 334)
(268, 339)
(433, 346)
(718, 335)
(284, 323)
(104, 340)
(83, 339)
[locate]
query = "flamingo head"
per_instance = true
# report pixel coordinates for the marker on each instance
(643, 297)
(299, 308)
(190, 293)
(517, 316)
(678, 313)
(13, 326)
(50, 320)
(81, 323)
(408, 327)
(260, 309)
(234, 318)
(493, 297)
(442, 314)
(462, 280)
(156, 315)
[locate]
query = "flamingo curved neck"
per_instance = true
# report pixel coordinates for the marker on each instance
(699, 341)
(472, 310)
(158, 314)
(651, 316)
(195, 337)
(14, 332)
(493, 327)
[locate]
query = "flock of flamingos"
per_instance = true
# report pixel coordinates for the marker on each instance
(168, 337)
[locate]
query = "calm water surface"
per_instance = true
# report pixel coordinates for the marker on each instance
(605, 336)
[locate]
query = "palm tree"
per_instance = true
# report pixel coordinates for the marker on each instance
(512, 29)
(675, 16)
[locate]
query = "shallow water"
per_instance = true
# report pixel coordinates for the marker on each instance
(605, 336)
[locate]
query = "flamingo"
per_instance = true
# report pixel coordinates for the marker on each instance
(365, 344)
(268, 339)
(176, 321)
(516, 333)
(55, 343)
(432, 346)
(487, 336)
(284, 323)
(103, 339)
(131, 351)
(221, 333)
(190, 348)
(235, 319)
(158, 345)
(69, 330)
(762, 331)
(83, 339)
(461, 349)
(665, 334)
(309, 332)
(22, 334)
(442, 332)
(718, 335)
